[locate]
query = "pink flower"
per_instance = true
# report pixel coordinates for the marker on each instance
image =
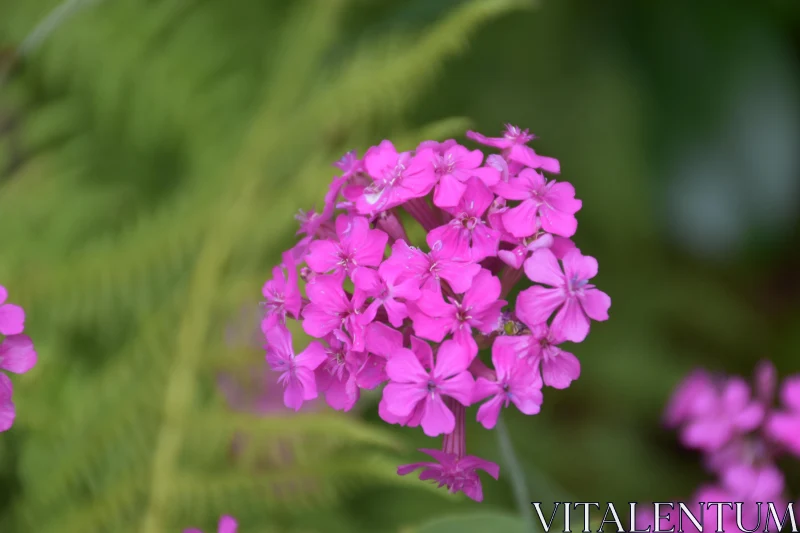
(17, 354)
(479, 308)
(297, 371)
(540, 349)
(358, 245)
(515, 382)
(552, 202)
(336, 375)
(783, 425)
(411, 384)
(424, 354)
(716, 419)
(397, 177)
(385, 287)
(282, 294)
(695, 395)
(350, 164)
(453, 168)
(513, 143)
(428, 270)
(570, 294)
(331, 309)
(468, 235)
(7, 410)
(747, 485)
(226, 525)
(314, 226)
(12, 317)
(458, 474)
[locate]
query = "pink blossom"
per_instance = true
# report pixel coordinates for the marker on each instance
(731, 411)
(297, 371)
(540, 349)
(458, 474)
(468, 235)
(429, 269)
(479, 308)
(695, 395)
(7, 411)
(515, 382)
(552, 202)
(513, 143)
(350, 164)
(357, 245)
(336, 375)
(282, 294)
(12, 317)
(571, 295)
(17, 354)
(330, 309)
(385, 287)
(783, 425)
(314, 226)
(397, 177)
(748, 485)
(226, 525)
(454, 168)
(424, 354)
(411, 384)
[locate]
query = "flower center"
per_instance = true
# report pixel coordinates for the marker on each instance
(467, 221)
(576, 285)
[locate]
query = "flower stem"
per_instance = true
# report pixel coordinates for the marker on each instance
(518, 484)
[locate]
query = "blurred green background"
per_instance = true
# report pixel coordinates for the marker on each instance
(152, 154)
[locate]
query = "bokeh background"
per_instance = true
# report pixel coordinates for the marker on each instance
(152, 155)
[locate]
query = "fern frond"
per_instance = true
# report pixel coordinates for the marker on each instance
(387, 76)
(161, 255)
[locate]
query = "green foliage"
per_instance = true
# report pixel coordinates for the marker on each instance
(164, 147)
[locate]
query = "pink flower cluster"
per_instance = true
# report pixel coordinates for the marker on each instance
(412, 316)
(733, 424)
(17, 355)
(741, 434)
(227, 524)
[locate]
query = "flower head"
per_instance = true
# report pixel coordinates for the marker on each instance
(407, 313)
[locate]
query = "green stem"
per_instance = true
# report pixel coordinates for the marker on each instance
(518, 484)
